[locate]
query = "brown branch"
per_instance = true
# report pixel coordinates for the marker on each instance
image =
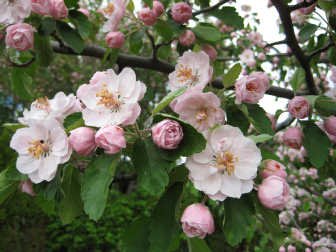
(303, 4)
(321, 50)
(284, 13)
(210, 8)
(276, 43)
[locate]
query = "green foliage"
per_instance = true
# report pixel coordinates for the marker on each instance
(229, 16)
(168, 99)
(232, 75)
(307, 32)
(21, 83)
(261, 138)
(136, 41)
(207, 32)
(325, 105)
(237, 118)
(197, 245)
(43, 50)
(70, 36)
(298, 79)
(81, 22)
(257, 116)
(7, 186)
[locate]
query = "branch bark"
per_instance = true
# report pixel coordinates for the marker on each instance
(284, 13)
(219, 4)
(303, 4)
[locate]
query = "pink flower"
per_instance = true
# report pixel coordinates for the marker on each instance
(256, 38)
(84, 11)
(197, 221)
(291, 248)
(293, 137)
(20, 36)
(330, 125)
(167, 134)
(307, 10)
(27, 187)
(41, 7)
(261, 56)
(58, 9)
(247, 57)
(114, 12)
(273, 192)
(210, 50)
(282, 249)
(111, 139)
(251, 88)
(115, 39)
(300, 236)
(14, 11)
(272, 119)
(147, 16)
(273, 168)
(181, 12)
(201, 110)
(82, 140)
(187, 38)
(299, 107)
(158, 8)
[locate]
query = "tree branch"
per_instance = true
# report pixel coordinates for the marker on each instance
(303, 4)
(284, 13)
(321, 50)
(284, 41)
(156, 65)
(210, 8)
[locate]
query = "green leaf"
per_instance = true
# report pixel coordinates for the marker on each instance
(135, 237)
(232, 75)
(239, 216)
(47, 26)
(229, 16)
(332, 55)
(197, 245)
(43, 50)
(327, 5)
(325, 105)
(136, 41)
(7, 186)
(151, 166)
(260, 138)
(73, 121)
(149, 3)
(266, 154)
(70, 206)
(237, 118)
(167, 99)
(71, 3)
(307, 32)
(259, 119)
(95, 184)
(298, 79)
(316, 143)
(70, 36)
(166, 29)
(207, 32)
(21, 83)
(163, 225)
(81, 22)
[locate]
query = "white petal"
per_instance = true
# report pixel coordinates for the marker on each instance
(246, 186)
(231, 186)
(223, 137)
(96, 118)
(127, 83)
(27, 164)
(203, 157)
(34, 177)
(49, 167)
(210, 185)
(199, 171)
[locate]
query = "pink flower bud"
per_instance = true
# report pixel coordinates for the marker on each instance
(187, 38)
(330, 125)
(58, 9)
(261, 56)
(210, 50)
(40, 7)
(197, 221)
(20, 36)
(147, 16)
(158, 8)
(299, 107)
(282, 249)
(273, 168)
(115, 39)
(291, 248)
(27, 187)
(111, 139)
(167, 134)
(272, 119)
(273, 192)
(181, 12)
(308, 250)
(293, 138)
(84, 11)
(82, 140)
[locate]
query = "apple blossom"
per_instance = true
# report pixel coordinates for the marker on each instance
(158, 8)
(82, 140)
(181, 12)
(330, 125)
(293, 137)
(193, 70)
(114, 12)
(227, 166)
(291, 248)
(20, 36)
(210, 50)
(272, 119)
(197, 221)
(147, 16)
(187, 38)
(251, 88)
(167, 134)
(58, 9)
(299, 107)
(26, 186)
(111, 139)
(41, 148)
(282, 249)
(115, 39)
(307, 10)
(85, 11)
(14, 11)
(273, 192)
(247, 57)
(201, 110)
(272, 167)
(41, 7)
(112, 99)
(256, 38)
(57, 108)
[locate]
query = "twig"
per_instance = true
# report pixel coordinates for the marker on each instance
(210, 8)
(284, 41)
(303, 4)
(321, 50)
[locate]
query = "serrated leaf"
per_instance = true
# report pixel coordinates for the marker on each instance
(71, 3)
(81, 22)
(232, 75)
(258, 118)
(260, 138)
(166, 29)
(325, 105)
(207, 32)
(168, 99)
(47, 26)
(317, 153)
(298, 79)
(70, 36)
(7, 186)
(136, 41)
(95, 184)
(21, 83)
(307, 32)
(73, 121)
(43, 50)
(197, 245)
(237, 118)
(229, 16)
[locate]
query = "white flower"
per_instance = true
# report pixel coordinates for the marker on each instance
(227, 166)
(41, 148)
(14, 11)
(57, 108)
(114, 12)
(111, 99)
(192, 70)
(247, 57)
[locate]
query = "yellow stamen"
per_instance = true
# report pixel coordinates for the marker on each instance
(225, 161)
(185, 73)
(109, 9)
(108, 99)
(202, 115)
(42, 103)
(38, 148)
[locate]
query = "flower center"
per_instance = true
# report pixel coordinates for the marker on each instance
(185, 74)
(225, 161)
(252, 87)
(202, 115)
(42, 103)
(108, 99)
(109, 9)
(38, 149)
